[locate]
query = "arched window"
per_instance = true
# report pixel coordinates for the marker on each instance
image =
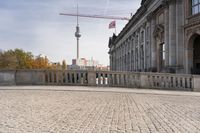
(162, 54)
(195, 7)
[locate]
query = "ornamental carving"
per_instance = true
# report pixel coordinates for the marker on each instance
(159, 31)
(192, 30)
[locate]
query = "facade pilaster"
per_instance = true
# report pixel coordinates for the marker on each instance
(153, 44)
(172, 34)
(179, 33)
(134, 54)
(166, 35)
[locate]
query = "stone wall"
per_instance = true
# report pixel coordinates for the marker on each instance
(101, 79)
(27, 77)
(7, 77)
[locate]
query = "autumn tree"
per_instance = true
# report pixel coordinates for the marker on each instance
(24, 59)
(19, 59)
(64, 65)
(41, 63)
(8, 60)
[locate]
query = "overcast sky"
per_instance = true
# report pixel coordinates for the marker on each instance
(36, 26)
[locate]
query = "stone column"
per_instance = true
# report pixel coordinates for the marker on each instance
(172, 33)
(148, 50)
(122, 58)
(117, 56)
(179, 33)
(126, 57)
(110, 61)
(114, 56)
(130, 50)
(144, 49)
(167, 36)
(153, 43)
(139, 52)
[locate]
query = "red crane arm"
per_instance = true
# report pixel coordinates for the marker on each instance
(95, 16)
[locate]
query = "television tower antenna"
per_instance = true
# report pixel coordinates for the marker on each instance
(77, 33)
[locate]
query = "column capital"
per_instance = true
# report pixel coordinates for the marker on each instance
(169, 1)
(165, 3)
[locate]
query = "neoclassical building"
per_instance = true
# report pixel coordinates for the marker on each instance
(162, 36)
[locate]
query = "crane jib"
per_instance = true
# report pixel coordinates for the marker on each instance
(96, 16)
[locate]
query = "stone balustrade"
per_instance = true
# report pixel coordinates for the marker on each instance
(101, 79)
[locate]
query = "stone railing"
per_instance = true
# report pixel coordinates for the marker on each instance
(169, 81)
(100, 78)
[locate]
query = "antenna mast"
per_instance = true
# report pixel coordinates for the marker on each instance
(77, 33)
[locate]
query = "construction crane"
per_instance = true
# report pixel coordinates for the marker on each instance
(95, 16)
(78, 34)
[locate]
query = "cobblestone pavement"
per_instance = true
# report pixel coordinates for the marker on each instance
(90, 111)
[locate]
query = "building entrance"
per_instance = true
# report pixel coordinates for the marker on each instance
(196, 55)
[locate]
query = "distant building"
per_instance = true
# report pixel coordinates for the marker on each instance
(41, 56)
(85, 64)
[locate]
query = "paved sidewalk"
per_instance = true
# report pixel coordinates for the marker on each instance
(98, 110)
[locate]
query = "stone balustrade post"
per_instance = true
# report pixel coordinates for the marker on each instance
(196, 83)
(91, 78)
(144, 80)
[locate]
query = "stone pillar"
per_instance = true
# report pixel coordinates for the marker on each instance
(126, 65)
(91, 78)
(110, 61)
(126, 56)
(144, 49)
(172, 33)
(153, 44)
(134, 54)
(144, 80)
(180, 34)
(196, 83)
(139, 52)
(120, 58)
(114, 61)
(166, 36)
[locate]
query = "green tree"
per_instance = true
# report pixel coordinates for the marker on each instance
(8, 60)
(24, 59)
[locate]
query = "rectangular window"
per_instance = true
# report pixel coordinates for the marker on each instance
(195, 7)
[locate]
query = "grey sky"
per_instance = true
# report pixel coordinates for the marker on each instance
(36, 26)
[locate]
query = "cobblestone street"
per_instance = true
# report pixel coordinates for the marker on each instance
(97, 110)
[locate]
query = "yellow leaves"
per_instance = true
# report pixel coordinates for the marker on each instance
(19, 59)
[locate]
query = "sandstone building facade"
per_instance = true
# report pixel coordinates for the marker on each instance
(162, 36)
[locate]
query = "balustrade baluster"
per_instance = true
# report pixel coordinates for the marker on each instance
(183, 82)
(48, 77)
(99, 78)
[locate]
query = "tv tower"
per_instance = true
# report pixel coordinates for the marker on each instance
(77, 34)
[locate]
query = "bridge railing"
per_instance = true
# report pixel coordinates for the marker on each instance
(101, 78)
